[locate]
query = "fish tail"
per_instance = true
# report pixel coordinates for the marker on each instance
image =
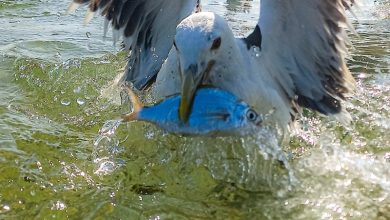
(137, 106)
(137, 103)
(132, 116)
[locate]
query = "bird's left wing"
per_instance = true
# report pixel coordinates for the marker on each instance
(147, 28)
(303, 48)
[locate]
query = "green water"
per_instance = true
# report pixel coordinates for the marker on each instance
(56, 93)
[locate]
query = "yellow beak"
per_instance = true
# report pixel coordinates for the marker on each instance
(188, 89)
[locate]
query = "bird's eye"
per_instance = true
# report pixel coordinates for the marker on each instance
(216, 43)
(251, 115)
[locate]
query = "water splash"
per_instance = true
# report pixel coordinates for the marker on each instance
(105, 148)
(109, 128)
(347, 181)
(271, 149)
(255, 162)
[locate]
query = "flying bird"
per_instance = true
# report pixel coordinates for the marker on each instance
(294, 58)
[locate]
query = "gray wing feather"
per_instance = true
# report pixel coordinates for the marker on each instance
(303, 48)
(147, 28)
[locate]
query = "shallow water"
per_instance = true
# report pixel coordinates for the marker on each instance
(55, 96)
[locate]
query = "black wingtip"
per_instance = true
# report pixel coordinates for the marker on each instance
(254, 39)
(327, 105)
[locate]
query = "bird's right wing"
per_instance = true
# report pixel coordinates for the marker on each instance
(147, 28)
(303, 47)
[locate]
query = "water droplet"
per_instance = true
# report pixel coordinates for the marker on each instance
(58, 205)
(65, 102)
(256, 51)
(39, 165)
(6, 208)
(362, 76)
(80, 101)
(77, 89)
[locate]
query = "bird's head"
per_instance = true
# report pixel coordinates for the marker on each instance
(199, 40)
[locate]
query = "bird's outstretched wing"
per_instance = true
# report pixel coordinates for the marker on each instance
(147, 28)
(303, 48)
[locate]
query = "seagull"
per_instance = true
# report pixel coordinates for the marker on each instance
(294, 58)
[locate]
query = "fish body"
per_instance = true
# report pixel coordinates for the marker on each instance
(214, 112)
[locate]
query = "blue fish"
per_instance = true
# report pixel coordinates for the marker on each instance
(214, 112)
